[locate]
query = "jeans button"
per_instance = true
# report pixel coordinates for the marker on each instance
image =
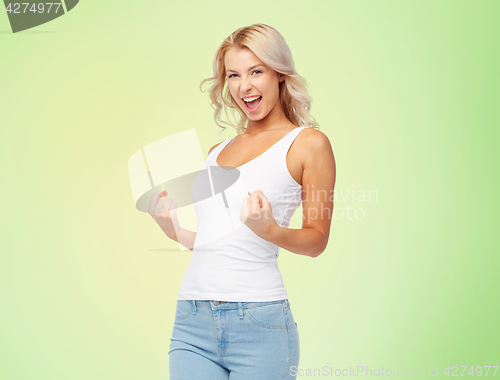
(216, 303)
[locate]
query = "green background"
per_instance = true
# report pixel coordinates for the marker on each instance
(406, 92)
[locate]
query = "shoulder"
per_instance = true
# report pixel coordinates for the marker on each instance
(313, 142)
(215, 146)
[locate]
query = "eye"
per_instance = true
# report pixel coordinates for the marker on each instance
(255, 71)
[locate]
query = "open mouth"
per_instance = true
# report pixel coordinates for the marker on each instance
(253, 105)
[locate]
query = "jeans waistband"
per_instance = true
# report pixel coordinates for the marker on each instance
(218, 305)
(233, 304)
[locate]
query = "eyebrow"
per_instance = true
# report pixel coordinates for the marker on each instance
(253, 67)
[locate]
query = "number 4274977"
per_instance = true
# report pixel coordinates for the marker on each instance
(41, 8)
(478, 371)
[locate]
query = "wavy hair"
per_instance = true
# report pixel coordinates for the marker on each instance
(270, 47)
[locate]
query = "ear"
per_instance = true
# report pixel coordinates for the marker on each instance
(281, 77)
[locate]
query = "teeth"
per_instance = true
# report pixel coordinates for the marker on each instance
(251, 99)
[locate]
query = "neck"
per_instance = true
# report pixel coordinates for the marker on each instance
(276, 119)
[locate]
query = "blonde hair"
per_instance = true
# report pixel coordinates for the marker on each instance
(270, 47)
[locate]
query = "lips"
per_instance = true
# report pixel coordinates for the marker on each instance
(253, 105)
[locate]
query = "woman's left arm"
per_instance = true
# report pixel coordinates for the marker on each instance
(318, 183)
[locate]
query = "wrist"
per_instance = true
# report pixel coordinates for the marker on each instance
(173, 235)
(273, 232)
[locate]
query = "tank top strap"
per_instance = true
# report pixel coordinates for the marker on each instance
(287, 141)
(282, 146)
(215, 153)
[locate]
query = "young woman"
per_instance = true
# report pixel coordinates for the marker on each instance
(233, 318)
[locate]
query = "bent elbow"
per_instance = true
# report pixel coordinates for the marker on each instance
(318, 253)
(321, 249)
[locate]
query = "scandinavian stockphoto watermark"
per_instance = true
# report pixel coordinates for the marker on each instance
(348, 204)
(381, 371)
(320, 204)
(339, 204)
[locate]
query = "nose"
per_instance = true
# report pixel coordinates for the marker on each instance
(246, 84)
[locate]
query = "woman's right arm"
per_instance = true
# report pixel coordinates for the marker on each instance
(186, 238)
(163, 211)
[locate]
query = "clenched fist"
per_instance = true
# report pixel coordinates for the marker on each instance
(163, 211)
(257, 214)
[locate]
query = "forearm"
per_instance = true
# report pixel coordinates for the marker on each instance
(185, 238)
(304, 241)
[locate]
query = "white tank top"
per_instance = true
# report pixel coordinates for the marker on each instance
(229, 261)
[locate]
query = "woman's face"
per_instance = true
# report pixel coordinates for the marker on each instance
(248, 77)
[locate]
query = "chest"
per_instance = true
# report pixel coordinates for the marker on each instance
(238, 154)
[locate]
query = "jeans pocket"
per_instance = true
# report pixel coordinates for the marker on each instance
(267, 316)
(183, 310)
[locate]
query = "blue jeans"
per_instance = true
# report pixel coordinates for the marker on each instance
(215, 340)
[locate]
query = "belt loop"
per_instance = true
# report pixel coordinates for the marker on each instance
(194, 306)
(287, 305)
(240, 307)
